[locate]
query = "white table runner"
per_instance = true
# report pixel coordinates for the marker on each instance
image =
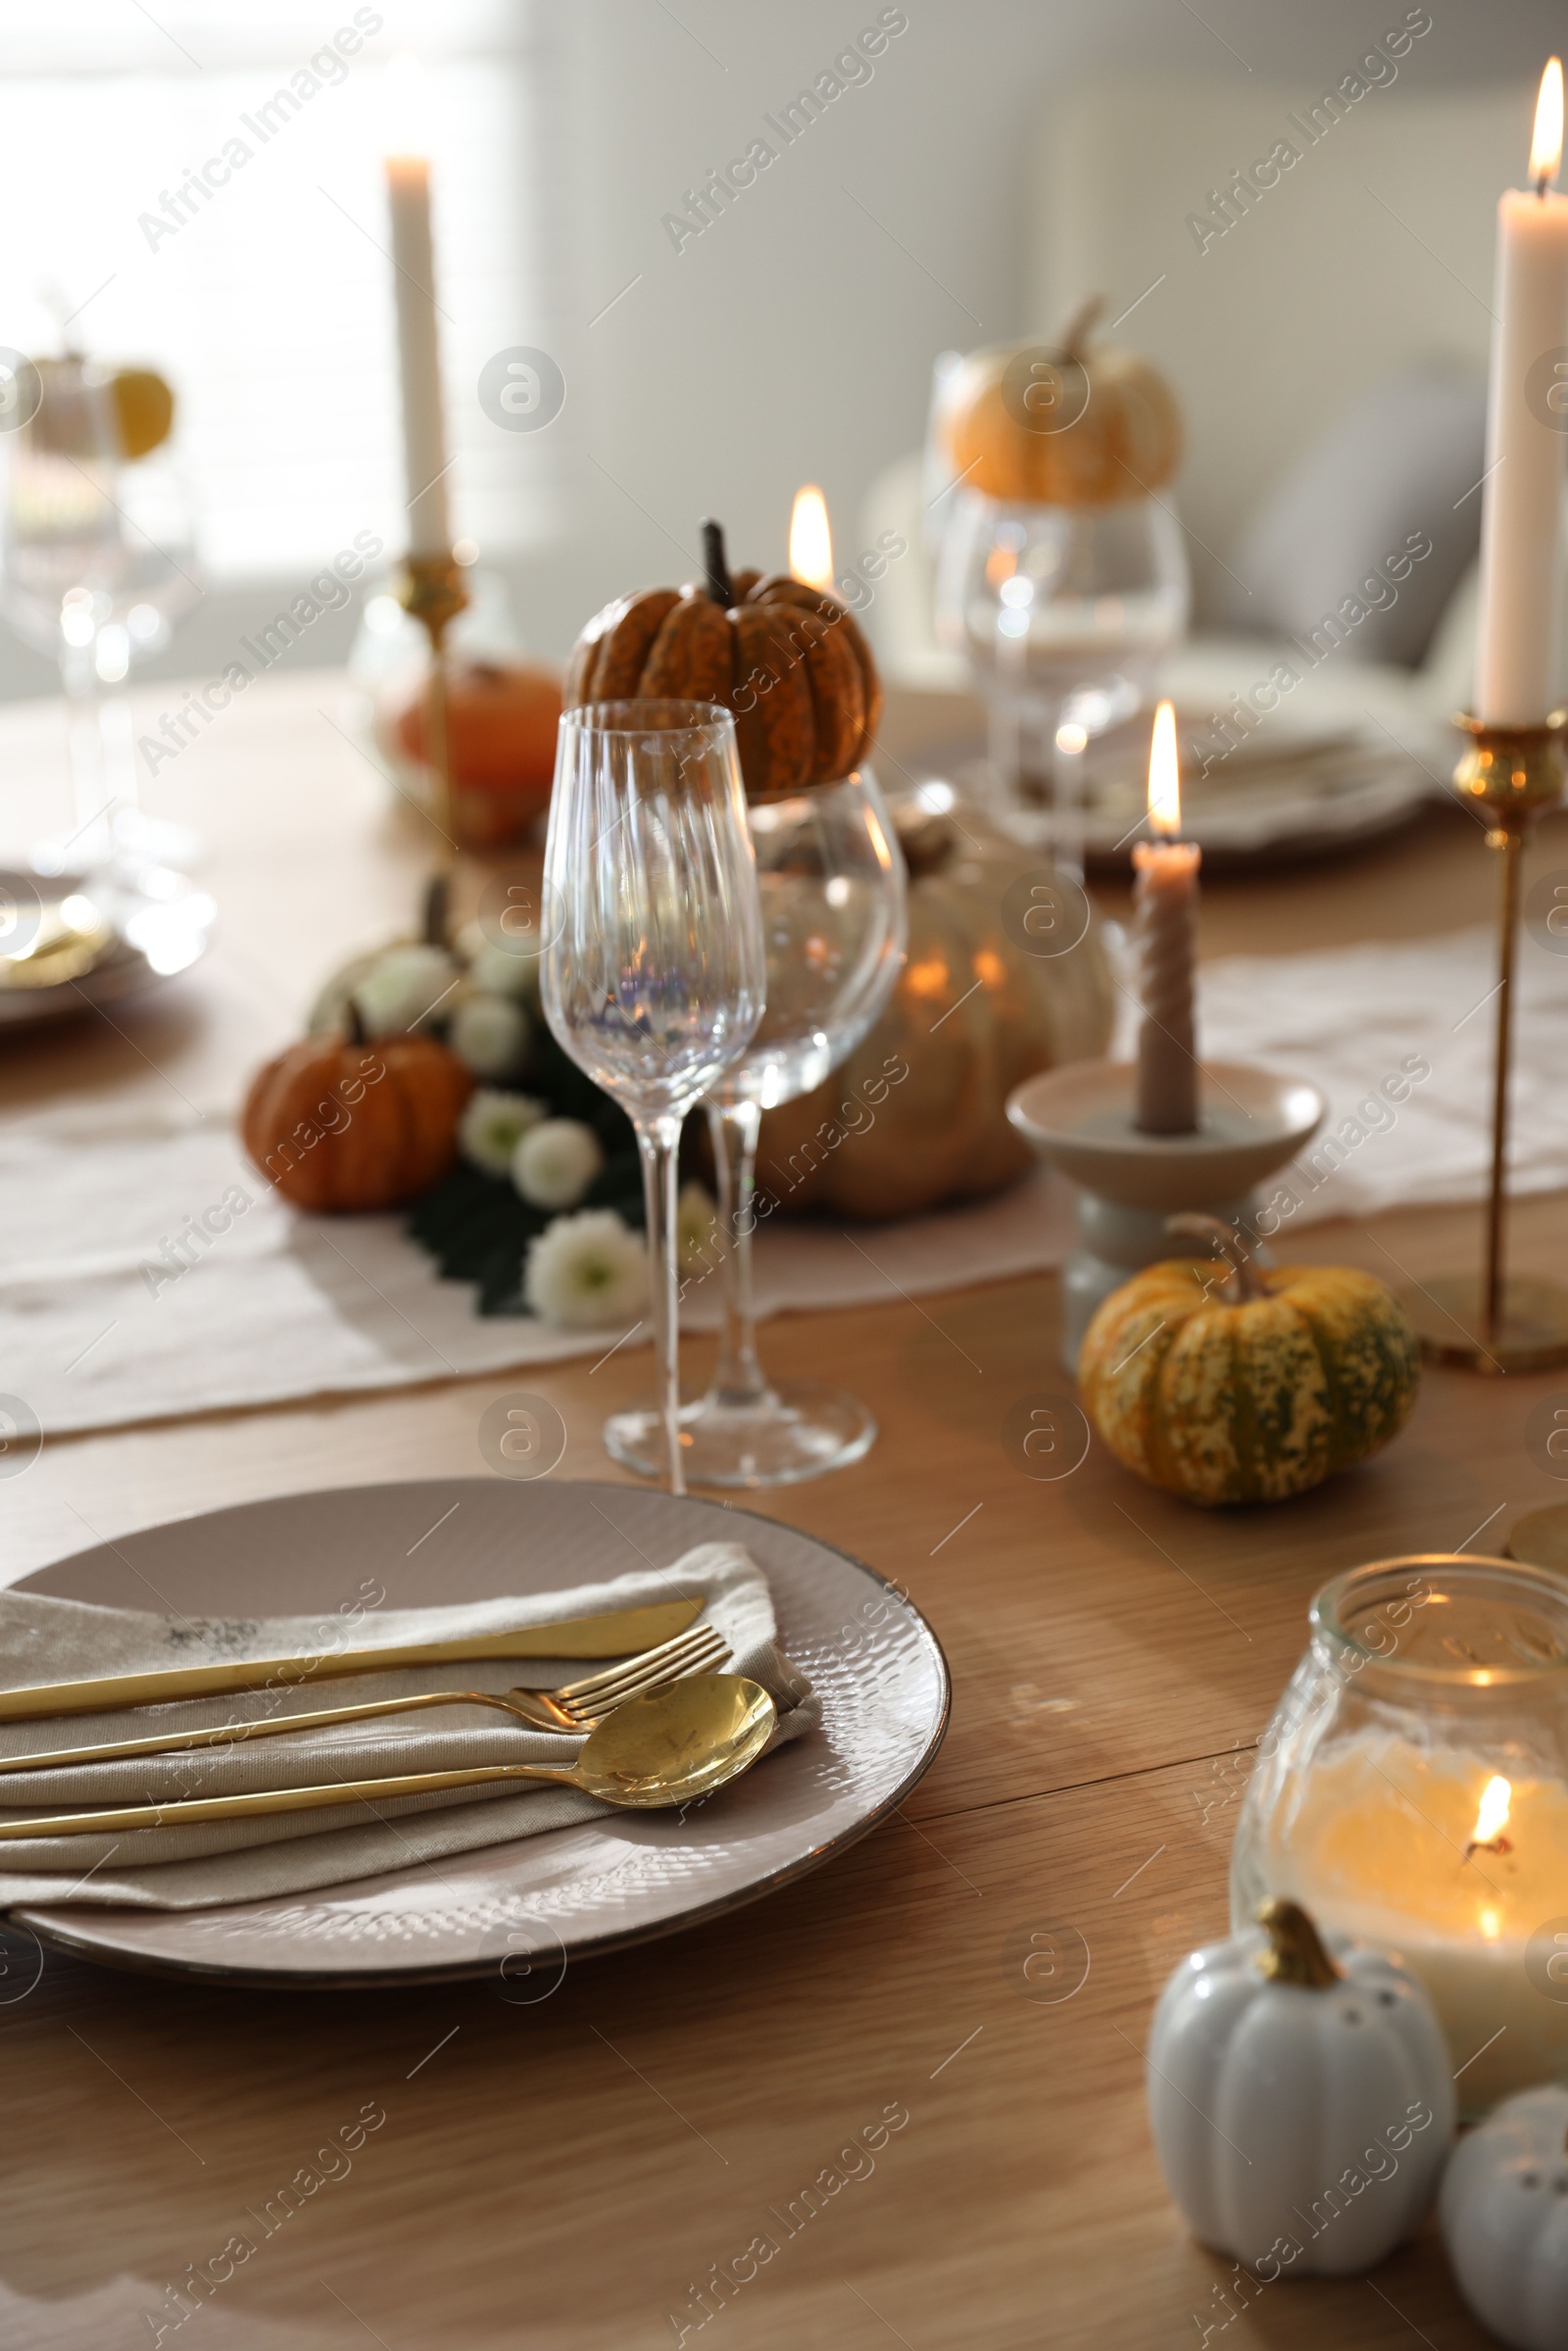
(282, 1305)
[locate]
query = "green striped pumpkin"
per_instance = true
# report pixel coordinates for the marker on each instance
(1248, 1398)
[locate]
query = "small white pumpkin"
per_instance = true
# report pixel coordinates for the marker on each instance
(1302, 2103)
(1504, 2208)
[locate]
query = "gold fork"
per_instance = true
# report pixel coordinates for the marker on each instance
(576, 1706)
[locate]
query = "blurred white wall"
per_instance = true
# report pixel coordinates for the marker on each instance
(793, 338)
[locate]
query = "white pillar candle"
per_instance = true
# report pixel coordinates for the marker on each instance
(424, 452)
(1430, 1852)
(1521, 550)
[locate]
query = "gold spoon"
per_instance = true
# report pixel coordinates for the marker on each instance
(71, 940)
(650, 1753)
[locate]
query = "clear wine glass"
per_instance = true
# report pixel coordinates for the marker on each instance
(832, 887)
(654, 975)
(1064, 615)
(98, 567)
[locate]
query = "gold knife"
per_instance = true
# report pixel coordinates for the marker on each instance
(617, 1633)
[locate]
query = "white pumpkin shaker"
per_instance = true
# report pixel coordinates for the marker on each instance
(1504, 2210)
(1301, 2101)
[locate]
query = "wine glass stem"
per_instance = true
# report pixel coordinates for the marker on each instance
(738, 1380)
(88, 780)
(657, 1141)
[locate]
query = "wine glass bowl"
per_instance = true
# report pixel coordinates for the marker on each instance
(648, 985)
(830, 885)
(1064, 615)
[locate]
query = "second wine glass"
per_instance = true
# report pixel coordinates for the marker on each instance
(654, 975)
(832, 887)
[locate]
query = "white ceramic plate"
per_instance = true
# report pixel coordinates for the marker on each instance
(532, 1905)
(1266, 814)
(161, 937)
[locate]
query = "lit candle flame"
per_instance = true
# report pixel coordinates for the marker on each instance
(1546, 148)
(1164, 775)
(811, 541)
(1492, 1816)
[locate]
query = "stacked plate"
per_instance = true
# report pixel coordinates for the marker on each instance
(67, 945)
(522, 1911)
(1274, 796)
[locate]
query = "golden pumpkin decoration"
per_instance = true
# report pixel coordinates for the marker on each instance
(1068, 424)
(336, 1123)
(917, 1115)
(788, 660)
(1249, 1397)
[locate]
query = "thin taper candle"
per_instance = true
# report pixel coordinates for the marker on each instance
(424, 452)
(1521, 509)
(1165, 895)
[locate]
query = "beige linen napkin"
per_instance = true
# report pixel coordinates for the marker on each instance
(45, 1640)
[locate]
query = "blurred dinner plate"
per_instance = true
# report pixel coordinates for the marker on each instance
(1284, 795)
(539, 1901)
(153, 935)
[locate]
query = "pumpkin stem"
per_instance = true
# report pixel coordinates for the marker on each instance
(716, 566)
(1230, 1247)
(356, 1032)
(1294, 1952)
(437, 910)
(1080, 326)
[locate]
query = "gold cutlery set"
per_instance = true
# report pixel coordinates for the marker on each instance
(663, 1727)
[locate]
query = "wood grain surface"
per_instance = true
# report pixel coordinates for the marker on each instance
(589, 2167)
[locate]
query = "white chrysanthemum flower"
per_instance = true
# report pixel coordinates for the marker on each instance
(494, 1124)
(403, 988)
(501, 969)
(699, 1240)
(586, 1271)
(490, 1034)
(556, 1162)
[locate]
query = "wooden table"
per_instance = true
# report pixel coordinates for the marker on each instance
(564, 2175)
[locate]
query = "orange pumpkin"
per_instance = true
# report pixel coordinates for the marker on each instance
(501, 734)
(338, 1123)
(789, 661)
(1068, 424)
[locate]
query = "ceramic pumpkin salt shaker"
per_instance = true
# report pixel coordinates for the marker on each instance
(1300, 2099)
(1250, 1388)
(1504, 2209)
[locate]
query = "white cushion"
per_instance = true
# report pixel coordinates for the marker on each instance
(1395, 475)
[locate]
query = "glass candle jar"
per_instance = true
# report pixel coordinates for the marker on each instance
(1412, 1792)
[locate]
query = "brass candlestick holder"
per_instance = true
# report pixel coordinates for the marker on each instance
(431, 590)
(1493, 1322)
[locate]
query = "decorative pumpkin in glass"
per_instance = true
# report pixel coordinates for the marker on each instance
(1063, 575)
(787, 659)
(1412, 1792)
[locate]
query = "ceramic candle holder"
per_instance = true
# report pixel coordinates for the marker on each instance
(1081, 1118)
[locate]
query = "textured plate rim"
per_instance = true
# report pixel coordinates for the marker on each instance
(52, 1937)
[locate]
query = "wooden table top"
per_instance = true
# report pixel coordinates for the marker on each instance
(566, 2175)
